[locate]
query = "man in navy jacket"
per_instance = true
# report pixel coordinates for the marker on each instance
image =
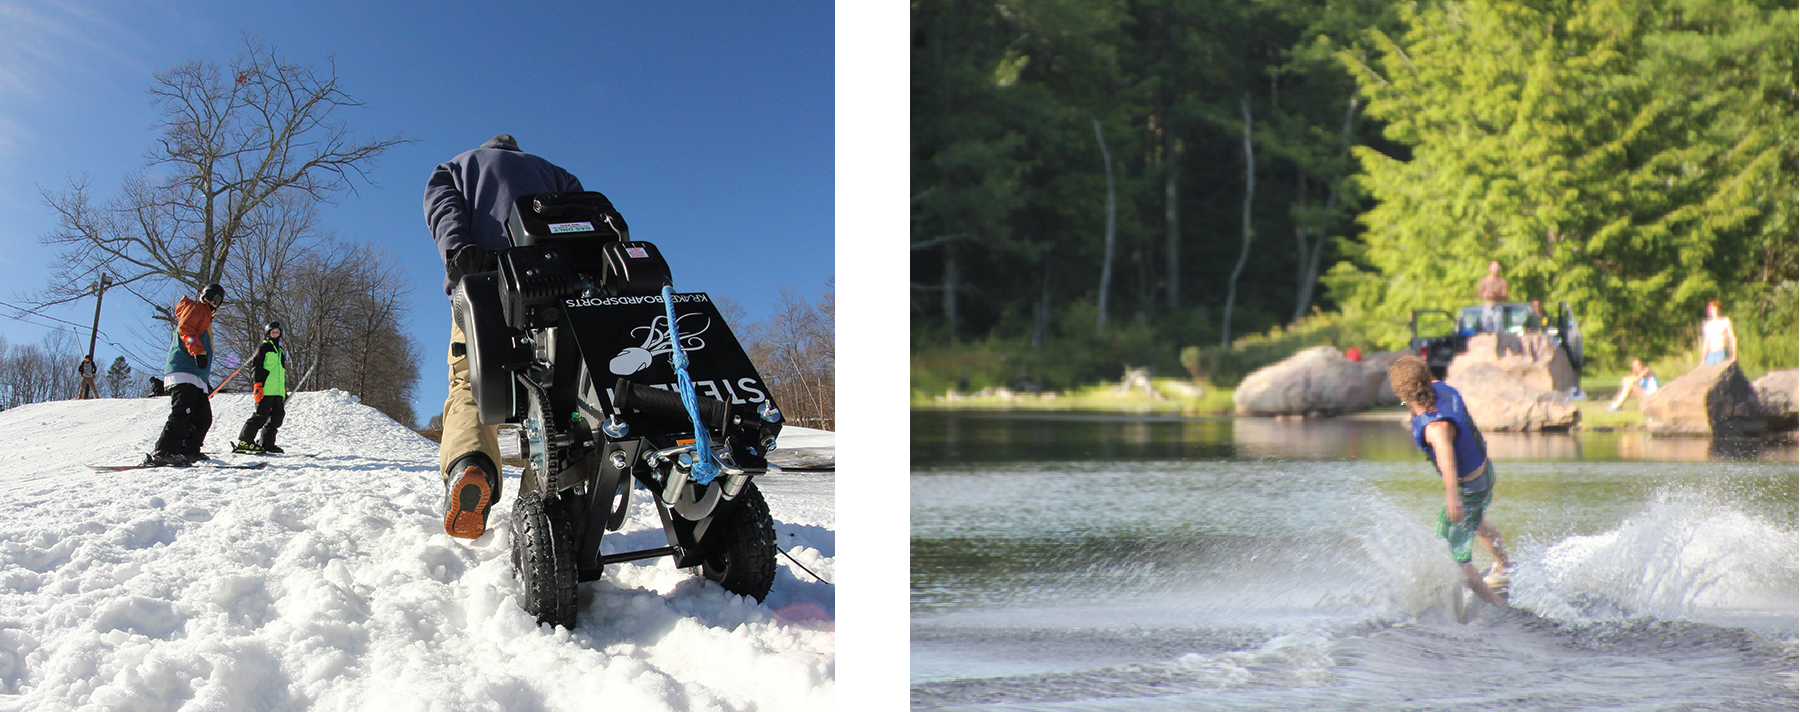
(467, 202)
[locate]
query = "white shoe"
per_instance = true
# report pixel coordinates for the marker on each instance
(1497, 579)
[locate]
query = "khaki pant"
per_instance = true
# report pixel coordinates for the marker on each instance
(463, 431)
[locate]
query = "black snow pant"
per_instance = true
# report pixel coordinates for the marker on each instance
(190, 416)
(268, 416)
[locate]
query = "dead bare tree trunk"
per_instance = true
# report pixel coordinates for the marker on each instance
(1244, 255)
(1041, 316)
(950, 278)
(1111, 212)
(1310, 254)
(1172, 213)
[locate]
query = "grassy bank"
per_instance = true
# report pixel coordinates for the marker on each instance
(1215, 402)
(1168, 395)
(1177, 396)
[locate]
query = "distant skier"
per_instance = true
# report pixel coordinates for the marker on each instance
(270, 392)
(467, 200)
(87, 370)
(188, 379)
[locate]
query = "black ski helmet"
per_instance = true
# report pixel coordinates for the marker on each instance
(271, 326)
(213, 293)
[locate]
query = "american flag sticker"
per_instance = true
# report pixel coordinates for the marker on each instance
(637, 252)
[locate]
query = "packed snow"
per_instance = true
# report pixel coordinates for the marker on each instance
(328, 583)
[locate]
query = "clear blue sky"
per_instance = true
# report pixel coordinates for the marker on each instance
(709, 124)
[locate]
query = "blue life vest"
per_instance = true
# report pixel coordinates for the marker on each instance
(1471, 449)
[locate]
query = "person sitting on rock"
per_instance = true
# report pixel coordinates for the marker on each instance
(1641, 383)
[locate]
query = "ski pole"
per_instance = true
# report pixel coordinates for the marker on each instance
(234, 374)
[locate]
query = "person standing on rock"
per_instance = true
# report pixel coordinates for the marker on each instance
(1492, 291)
(1444, 431)
(1718, 343)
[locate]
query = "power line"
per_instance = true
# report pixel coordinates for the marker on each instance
(103, 335)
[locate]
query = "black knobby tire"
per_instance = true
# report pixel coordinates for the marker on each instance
(544, 560)
(740, 551)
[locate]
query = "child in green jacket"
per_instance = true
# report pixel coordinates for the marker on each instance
(270, 392)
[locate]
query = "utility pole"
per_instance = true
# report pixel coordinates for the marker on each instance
(88, 369)
(99, 294)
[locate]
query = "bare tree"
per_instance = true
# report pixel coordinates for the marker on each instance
(1111, 214)
(285, 234)
(34, 373)
(795, 353)
(1172, 148)
(1244, 255)
(1311, 234)
(6, 400)
(63, 349)
(8, 389)
(240, 148)
(343, 317)
(26, 375)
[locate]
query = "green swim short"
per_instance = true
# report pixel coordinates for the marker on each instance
(1462, 535)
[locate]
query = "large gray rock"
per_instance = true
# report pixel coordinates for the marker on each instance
(1777, 395)
(1709, 400)
(1377, 365)
(1532, 358)
(1316, 381)
(1498, 400)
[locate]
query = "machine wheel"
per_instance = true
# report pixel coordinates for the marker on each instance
(740, 551)
(544, 559)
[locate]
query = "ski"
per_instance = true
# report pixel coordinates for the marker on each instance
(120, 468)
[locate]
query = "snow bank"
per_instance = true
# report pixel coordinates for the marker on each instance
(327, 582)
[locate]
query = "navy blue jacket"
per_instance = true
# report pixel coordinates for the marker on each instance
(469, 196)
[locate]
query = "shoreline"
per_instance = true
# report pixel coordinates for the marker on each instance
(1595, 417)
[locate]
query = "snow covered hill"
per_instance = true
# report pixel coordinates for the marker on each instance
(327, 582)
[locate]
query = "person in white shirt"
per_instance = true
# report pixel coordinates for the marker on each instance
(1718, 343)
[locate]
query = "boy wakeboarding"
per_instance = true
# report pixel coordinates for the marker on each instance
(1444, 431)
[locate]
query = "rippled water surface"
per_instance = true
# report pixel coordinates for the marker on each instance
(1108, 562)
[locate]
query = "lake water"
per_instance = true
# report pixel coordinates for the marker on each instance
(1071, 562)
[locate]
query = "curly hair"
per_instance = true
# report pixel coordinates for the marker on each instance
(1412, 379)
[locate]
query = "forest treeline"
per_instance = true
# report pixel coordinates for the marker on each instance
(1101, 183)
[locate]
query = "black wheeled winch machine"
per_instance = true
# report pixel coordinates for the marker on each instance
(579, 338)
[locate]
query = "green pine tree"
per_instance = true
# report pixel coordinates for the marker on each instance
(1633, 159)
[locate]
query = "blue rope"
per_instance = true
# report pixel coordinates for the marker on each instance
(705, 470)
